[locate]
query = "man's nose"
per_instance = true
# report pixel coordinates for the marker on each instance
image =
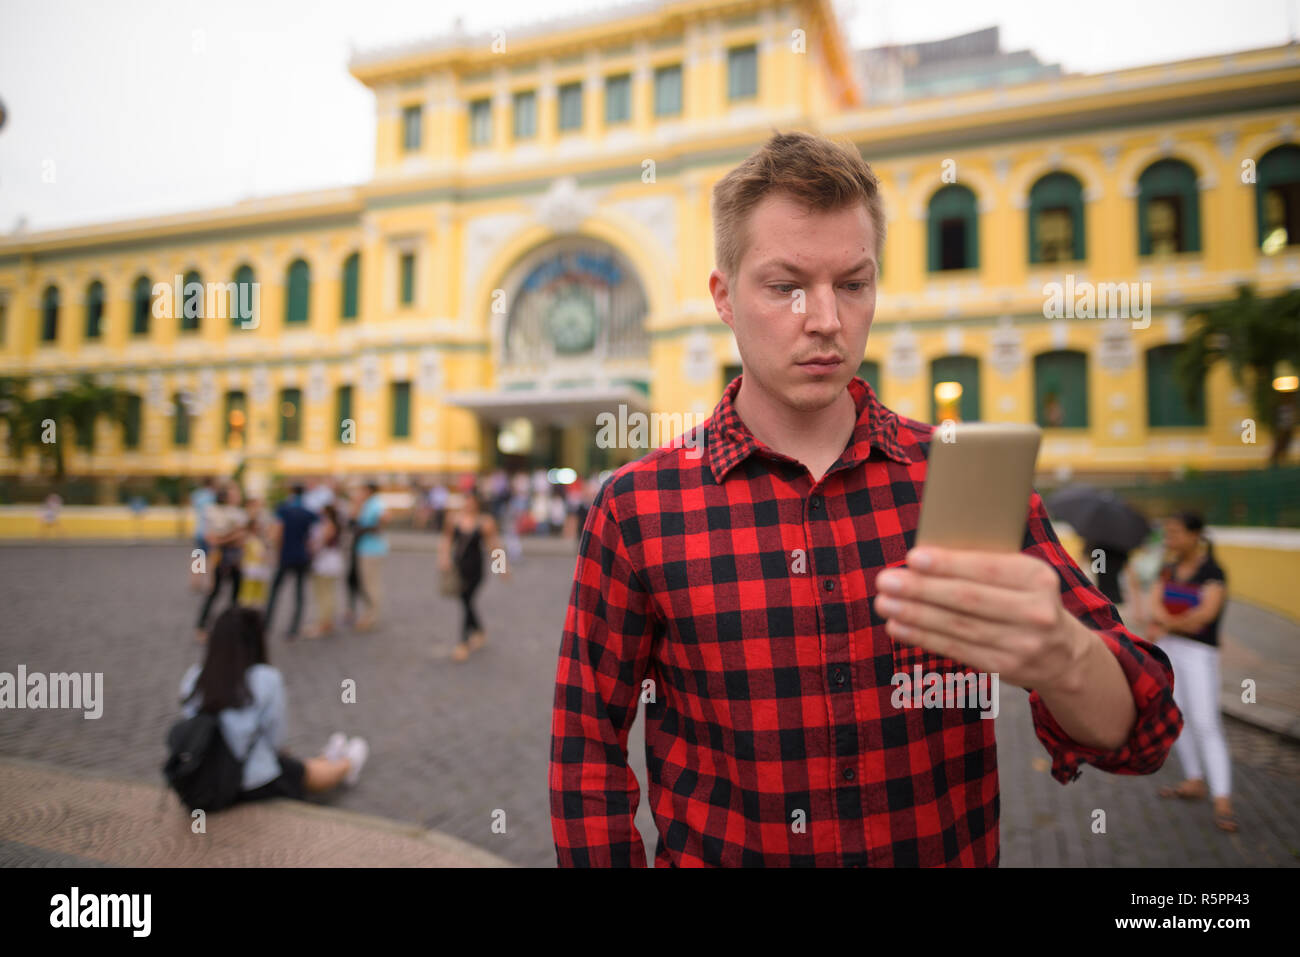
(823, 311)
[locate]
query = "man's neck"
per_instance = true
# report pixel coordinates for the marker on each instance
(814, 438)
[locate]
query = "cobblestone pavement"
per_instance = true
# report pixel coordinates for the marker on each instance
(453, 746)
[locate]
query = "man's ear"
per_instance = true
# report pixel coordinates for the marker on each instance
(720, 289)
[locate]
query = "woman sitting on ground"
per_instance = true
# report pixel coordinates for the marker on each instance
(237, 682)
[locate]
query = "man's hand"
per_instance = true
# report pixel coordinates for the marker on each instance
(1002, 613)
(996, 612)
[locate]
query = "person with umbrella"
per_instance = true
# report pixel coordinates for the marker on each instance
(1110, 528)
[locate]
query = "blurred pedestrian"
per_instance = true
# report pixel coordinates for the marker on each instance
(200, 499)
(327, 567)
(50, 513)
(238, 683)
(257, 550)
(227, 525)
(1187, 603)
(462, 546)
(438, 496)
(371, 547)
(293, 524)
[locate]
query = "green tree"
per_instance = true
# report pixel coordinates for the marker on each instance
(1252, 335)
(78, 405)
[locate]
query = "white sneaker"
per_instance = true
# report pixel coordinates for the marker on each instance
(337, 747)
(357, 751)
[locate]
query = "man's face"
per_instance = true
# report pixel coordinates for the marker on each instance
(805, 291)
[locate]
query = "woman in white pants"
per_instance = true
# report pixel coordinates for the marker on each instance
(1186, 604)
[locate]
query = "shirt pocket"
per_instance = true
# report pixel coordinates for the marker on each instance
(907, 656)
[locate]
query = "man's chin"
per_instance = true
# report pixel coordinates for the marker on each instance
(813, 396)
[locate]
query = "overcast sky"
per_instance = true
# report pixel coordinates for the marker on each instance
(137, 107)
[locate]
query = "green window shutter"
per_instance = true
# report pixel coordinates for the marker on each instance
(351, 285)
(142, 306)
(342, 410)
(1057, 191)
(1170, 179)
(953, 206)
(401, 393)
(190, 308)
(50, 314)
(1061, 389)
(525, 114)
(408, 278)
(297, 301)
(963, 369)
(1167, 405)
(180, 422)
(742, 72)
(480, 122)
(412, 128)
(131, 425)
(869, 369)
(94, 310)
(242, 301)
(668, 90)
(1279, 169)
(571, 106)
(290, 416)
(618, 99)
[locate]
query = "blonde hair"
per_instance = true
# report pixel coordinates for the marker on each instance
(822, 174)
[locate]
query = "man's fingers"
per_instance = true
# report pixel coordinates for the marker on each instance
(1016, 570)
(971, 600)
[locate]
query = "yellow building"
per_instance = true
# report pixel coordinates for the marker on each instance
(534, 246)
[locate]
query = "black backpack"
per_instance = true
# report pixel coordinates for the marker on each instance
(200, 766)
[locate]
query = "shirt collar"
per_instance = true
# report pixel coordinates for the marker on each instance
(731, 442)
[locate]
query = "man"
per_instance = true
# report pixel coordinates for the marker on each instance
(293, 524)
(736, 585)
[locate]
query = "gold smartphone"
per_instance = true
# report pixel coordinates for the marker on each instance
(977, 486)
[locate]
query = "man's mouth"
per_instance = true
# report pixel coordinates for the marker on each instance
(821, 362)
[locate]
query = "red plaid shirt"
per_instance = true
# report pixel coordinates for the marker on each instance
(771, 738)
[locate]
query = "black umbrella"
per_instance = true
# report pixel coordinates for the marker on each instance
(1099, 517)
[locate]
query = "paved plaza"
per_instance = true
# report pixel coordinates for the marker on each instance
(457, 747)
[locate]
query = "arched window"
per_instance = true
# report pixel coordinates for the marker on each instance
(94, 310)
(243, 302)
(953, 231)
(236, 419)
(190, 308)
(180, 421)
(290, 416)
(1056, 219)
(141, 305)
(351, 285)
(1167, 404)
(955, 389)
(50, 314)
(131, 422)
(297, 300)
(1061, 389)
(1277, 198)
(1169, 209)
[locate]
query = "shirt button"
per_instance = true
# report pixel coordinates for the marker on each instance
(816, 501)
(838, 676)
(849, 774)
(830, 584)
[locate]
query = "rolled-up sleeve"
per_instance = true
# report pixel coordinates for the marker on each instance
(606, 642)
(1146, 668)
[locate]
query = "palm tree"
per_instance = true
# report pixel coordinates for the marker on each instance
(1252, 335)
(13, 397)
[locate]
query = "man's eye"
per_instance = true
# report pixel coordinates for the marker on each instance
(861, 284)
(785, 288)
